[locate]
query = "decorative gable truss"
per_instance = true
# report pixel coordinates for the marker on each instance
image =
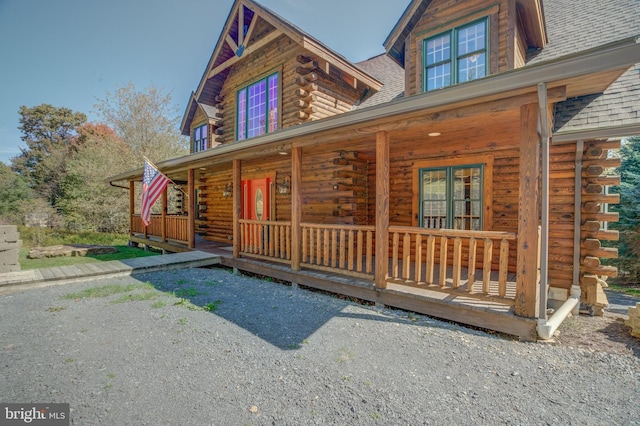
(314, 81)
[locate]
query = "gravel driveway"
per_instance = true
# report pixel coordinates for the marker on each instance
(204, 346)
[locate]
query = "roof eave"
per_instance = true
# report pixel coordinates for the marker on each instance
(620, 54)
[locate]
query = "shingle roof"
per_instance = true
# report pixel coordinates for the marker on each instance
(576, 26)
(389, 73)
(573, 29)
(618, 106)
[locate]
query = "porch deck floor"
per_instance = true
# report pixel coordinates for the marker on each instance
(456, 304)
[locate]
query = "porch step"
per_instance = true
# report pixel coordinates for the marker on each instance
(36, 278)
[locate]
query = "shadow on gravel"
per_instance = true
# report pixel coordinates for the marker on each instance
(284, 317)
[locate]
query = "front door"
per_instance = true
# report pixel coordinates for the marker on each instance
(255, 200)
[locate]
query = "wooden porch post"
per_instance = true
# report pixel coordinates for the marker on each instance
(132, 204)
(296, 207)
(191, 209)
(528, 213)
(163, 232)
(237, 206)
(382, 210)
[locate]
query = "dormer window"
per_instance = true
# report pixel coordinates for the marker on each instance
(455, 56)
(258, 108)
(200, 138)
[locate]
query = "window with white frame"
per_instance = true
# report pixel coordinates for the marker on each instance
(456, 56)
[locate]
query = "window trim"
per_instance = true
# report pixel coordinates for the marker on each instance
(245, 89)
(486, 161)
(454, 57)
(195, 142)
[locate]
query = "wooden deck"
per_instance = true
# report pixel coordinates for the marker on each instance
(454, 304)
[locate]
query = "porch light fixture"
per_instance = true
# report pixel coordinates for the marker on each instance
(227, 191)
(284, 187)
(434, 134)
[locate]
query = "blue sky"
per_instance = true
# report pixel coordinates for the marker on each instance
(68, 53)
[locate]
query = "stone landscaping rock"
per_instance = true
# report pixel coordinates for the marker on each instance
(69, 250)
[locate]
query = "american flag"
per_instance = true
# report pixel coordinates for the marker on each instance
(153, 183)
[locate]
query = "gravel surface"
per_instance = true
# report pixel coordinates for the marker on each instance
(209, 347)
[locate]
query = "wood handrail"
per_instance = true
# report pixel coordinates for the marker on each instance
(494, 235)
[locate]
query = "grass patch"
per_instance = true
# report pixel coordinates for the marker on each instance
(212, 306)
(56, 309)
(187, 292)
(187, 304)
(626, 289)
(136, 297)
(106, 291)
(124, 252)
(159, 304)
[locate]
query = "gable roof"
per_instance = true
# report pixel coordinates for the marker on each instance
(530, 12)
(390, 73)
(190, 112)
(251, 26)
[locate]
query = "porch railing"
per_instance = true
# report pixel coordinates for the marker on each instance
(175, 227)
(266, 239)
(347, 249)
(450, 258)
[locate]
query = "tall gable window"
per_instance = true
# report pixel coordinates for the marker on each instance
(258, 108)
(200, 138)
(456, 56)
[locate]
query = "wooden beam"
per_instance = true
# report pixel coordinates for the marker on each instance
(240, 25)
(248, 50)
(382, 210)
(232, 44)
(191, 209)
(296, 207)
(237, 206)
(528, 213)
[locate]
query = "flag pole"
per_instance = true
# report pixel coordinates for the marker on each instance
(170, 180)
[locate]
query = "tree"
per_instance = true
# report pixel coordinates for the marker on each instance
(145, 120)
(15, 192)
(87, 202)
(629, 209)
(49, 133)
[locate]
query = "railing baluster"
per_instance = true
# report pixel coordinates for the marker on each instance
(370, 252)
(406, 257)
(288, 241)
(473, 246)
(326, 247)
(343, 248)
(443, 261)
(359, 252)
(457, 261)
(304, 244)
(350, 250)
(312, 252)
(431, 255)
(318, 247)
(486, 266)
(394, 259)
(418, 259)
(504, 268)
(335, 249)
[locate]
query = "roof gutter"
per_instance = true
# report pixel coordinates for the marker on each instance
(623, 53)
(596, 133)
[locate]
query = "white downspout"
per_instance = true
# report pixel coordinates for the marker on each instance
(546, 328)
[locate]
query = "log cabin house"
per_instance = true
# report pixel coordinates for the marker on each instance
(461, 174)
